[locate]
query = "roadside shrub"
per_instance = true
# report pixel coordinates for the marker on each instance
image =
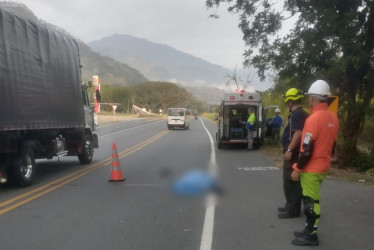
(210, 116)
(363, 162)
(370, 172)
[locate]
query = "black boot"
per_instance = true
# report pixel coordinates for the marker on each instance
(282, 209)
(299, 233)
(306, 240)
(289, 214)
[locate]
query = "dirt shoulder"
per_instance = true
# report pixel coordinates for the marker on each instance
(274, 153)
(105, 119)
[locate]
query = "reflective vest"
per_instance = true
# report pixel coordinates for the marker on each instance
(251, 121)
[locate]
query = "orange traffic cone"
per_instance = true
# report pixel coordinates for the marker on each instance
(116, 174)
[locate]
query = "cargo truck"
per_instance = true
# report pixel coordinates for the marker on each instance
(44, 107)
(233, 114)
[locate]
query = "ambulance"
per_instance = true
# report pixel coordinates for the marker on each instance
(233, 115)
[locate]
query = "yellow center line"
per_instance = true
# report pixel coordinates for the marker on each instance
(7, 206)
(49, 184)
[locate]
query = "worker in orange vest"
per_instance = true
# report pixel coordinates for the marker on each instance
(317, 146)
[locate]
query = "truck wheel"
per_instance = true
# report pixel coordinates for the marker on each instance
(86, 156)
(23, 171)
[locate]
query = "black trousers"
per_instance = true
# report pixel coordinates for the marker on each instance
(292, 189)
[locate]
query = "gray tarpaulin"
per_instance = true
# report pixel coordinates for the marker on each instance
(40, 82)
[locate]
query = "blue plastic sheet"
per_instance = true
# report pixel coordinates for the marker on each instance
(194, 183)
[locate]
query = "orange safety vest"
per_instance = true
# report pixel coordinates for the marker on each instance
(322, 127)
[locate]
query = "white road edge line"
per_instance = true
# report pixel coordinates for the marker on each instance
(207, 235)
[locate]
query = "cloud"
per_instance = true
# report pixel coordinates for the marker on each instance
(182, 24)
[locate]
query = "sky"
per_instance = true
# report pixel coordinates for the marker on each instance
(182, 24)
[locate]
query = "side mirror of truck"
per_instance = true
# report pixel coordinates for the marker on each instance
(89, 83)
(98, 96)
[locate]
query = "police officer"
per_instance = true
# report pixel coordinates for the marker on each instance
(291, 144)
(318, 143)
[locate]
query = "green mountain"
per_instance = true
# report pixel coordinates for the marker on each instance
(110, 71)
(159, 62)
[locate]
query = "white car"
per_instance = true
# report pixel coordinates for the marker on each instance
(178, 117)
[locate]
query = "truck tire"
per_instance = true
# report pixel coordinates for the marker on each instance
(87, 153)
(23, 170)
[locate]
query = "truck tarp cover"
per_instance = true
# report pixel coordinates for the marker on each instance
(40, 83)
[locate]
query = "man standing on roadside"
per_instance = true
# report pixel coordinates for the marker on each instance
(276, 123)
(250, 127)
(291, 145)
(318, 143)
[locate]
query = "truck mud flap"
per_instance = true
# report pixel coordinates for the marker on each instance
(95, 140)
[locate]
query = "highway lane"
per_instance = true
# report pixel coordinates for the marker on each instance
(142, 213)
(50, 170)
(91, 213)
(246, 217)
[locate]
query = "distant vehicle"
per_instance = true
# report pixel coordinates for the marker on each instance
(233, 114)
(178, 118)
(45, 110)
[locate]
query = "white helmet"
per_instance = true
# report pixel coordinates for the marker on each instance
(319, 88)
(277, 110)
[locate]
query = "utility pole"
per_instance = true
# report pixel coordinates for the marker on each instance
(132, 102)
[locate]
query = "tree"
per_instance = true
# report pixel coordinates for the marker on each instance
(331, 39)
(113, 94)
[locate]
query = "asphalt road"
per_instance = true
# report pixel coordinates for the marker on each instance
(71, 206)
